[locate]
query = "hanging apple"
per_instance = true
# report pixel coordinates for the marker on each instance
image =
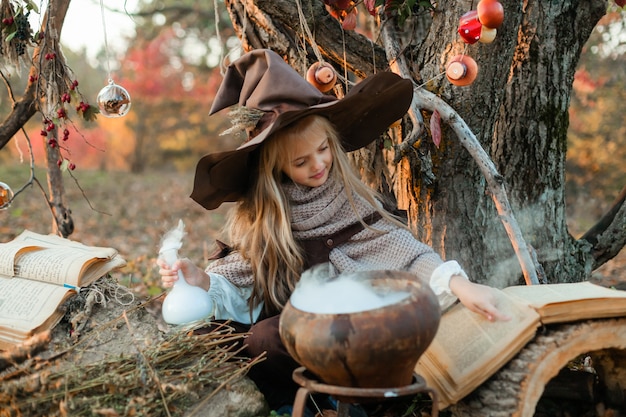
(322, 76)
(470, 27)
(462, 70)
(490, 13)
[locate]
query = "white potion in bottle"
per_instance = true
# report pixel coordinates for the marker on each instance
(184, 303)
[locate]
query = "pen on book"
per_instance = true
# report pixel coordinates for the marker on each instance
(73, 287)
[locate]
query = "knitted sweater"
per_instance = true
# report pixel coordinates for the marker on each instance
(322, 211)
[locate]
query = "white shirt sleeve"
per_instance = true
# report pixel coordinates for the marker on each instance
(440, 282)
(230, 301)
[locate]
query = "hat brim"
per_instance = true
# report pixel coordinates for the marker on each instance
(360, 117)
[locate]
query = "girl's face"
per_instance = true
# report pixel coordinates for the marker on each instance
(309, 159)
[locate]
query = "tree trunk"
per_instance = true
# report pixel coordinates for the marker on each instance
(517, 108)
(62, 223)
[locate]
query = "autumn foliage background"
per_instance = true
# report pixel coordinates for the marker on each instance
(134, 174)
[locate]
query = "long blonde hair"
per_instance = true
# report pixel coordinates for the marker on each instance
(260, 224)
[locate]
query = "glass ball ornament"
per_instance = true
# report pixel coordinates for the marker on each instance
(6, 194)
(113, 100)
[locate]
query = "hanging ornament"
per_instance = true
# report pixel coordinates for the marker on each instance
(6, 194)
(487, 35)
(322, 76)
(462, 70)
(113, 100)
(470, 27)
(490, 13)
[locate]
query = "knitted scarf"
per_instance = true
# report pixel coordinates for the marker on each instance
(322, 211)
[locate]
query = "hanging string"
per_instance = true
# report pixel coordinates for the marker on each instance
(373, 55)
(305, 28)
(223, 65)
(346, 81)
(113, 100)
(219, 38)
(345, 58)
(106, 41)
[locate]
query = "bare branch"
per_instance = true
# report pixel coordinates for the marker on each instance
(428, 101)
(358, 53)
(607, 236)
(399, 66)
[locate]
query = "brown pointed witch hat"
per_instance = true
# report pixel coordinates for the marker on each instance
(262, 80)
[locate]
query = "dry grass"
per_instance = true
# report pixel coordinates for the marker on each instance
(167, 378)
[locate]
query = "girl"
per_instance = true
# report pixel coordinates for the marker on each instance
(300, 203)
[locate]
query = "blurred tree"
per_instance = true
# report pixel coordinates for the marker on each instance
(172, 69)
(597, 135)
(171, 82)
(170, 100)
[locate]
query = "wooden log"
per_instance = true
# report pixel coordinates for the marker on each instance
(517, 388)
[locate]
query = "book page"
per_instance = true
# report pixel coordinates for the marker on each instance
(468, 349)
(571, 301)
(8, 253)
(50, 241)
(54, 265)
(26, 304)
(53, 259)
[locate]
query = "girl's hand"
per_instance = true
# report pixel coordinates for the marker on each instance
(477, 298)
(193, 274)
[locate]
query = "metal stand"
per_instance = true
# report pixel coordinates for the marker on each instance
(347, 395)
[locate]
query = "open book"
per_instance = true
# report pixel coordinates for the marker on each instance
(37, 274)
(468, 349)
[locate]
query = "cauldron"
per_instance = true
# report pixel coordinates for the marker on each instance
(375, 348)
